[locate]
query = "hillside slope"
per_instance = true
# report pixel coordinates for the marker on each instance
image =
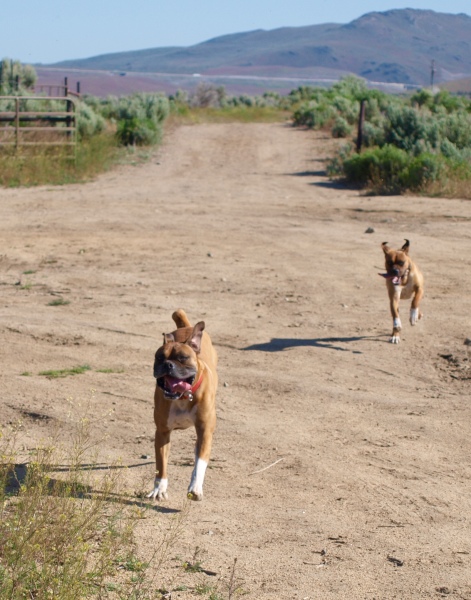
(392, 46)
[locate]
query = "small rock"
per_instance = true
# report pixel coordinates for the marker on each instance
(443, 590)
(397, 562)
(370, 230)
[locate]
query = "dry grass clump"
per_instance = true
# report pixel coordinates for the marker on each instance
(67, 527)
(39, 165)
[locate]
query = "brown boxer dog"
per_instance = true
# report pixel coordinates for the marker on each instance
(403, 280)
(185, 396)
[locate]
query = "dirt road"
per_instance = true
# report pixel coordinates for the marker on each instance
(341, 462)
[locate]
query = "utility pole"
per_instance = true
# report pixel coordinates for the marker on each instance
(432, 74)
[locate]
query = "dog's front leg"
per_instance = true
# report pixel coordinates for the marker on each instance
(394, 297)
(162, 451)
(415, 313)
(204, 434)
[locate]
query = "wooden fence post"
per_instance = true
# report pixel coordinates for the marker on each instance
(17, 124)
(361, 120)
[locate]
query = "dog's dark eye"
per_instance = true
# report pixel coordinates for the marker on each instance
(182, 358)
(400, 263)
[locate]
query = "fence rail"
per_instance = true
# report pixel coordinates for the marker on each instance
(52, 127)
(54, 89)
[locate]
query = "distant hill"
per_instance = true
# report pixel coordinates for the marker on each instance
(396, 46)
(459, 86)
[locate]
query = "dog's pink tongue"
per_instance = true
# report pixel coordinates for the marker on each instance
(177, 385)
(394, 278)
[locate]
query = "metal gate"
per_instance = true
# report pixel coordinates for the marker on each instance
(38, 121)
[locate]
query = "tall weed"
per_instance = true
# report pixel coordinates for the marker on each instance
(66, 532)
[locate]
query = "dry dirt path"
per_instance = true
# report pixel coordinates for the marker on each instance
(370, 497)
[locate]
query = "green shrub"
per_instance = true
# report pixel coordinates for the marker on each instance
(89, 123)
(13, 71)
(382, 168)
(374, 135)
(450, 103)
(456, 128)
(454, 154)
(138, 117)
(137, 132)
(422, 171)
(155, 107)
(341, 128)
(351, 87)
(422, 98)
(207, 95)
(335, 166)
(306, 92)
(391, 170)
(314, 115)
(406, 127)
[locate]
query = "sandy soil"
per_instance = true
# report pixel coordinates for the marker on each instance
(238, 224)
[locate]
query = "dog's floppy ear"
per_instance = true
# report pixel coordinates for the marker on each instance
(168, 337)
(405, 248)
(385, 247)
(194, 341)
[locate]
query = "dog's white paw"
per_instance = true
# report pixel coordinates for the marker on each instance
(195, 490)
(193, 495)
(395, 339)
(397, 323)
(414, 316)
(160, 490)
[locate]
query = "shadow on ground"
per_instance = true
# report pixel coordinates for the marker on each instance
(18, 477)
(280, 344)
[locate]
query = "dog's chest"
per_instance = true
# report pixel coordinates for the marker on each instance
(406, 291)
(182, 414)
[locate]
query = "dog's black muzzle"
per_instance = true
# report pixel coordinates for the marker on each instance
(173, 379)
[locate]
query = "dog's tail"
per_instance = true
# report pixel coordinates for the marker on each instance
(180, 318)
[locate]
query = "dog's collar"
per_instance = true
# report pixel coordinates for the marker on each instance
(189, 395)
(198, 383)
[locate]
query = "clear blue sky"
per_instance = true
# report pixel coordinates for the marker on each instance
(47, 31)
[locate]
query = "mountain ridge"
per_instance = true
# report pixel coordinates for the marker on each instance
(394, 46)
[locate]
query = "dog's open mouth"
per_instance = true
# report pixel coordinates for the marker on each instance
(174, 387)
(396, 279)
